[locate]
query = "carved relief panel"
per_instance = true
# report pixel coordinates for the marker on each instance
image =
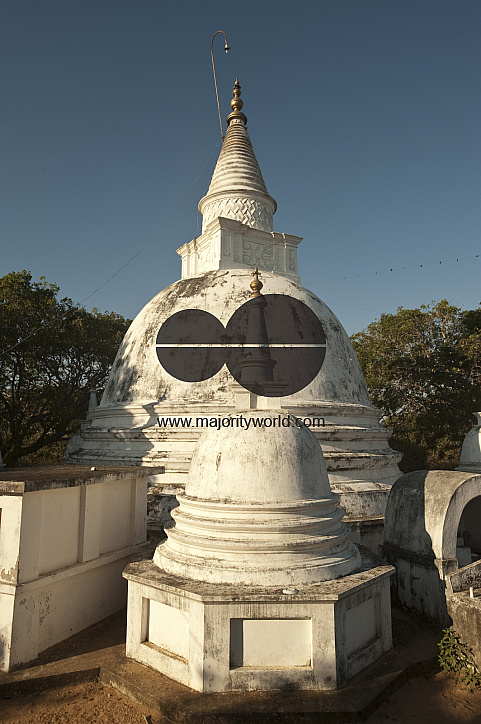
(260, 254)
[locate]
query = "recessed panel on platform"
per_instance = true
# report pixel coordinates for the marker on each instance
(169, 629)
(361, 625)
(59, 528)
(270, 643)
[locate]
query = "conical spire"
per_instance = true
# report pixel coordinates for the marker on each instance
(237, 189)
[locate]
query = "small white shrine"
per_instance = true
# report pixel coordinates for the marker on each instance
(470, 460)
(257, 585)
(431, 532)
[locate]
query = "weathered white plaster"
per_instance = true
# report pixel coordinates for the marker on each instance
(470, 459)
(325, 633)
(10, 523)
(270, 642)
(258, 510)
(58, 543)
(168, 628)
(361, 625)
(62, 552)
(422, 520)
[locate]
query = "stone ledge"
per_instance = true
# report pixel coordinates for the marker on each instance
(147, 573)
(17, 481)
(76, 569)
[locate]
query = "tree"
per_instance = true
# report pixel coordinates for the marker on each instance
(423, 369)
(52, 352)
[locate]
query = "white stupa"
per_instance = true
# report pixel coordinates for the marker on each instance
(470, 460)
(237, 235)
(257, 585)
(258, 511)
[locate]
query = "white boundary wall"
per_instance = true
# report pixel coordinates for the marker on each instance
(64, 541)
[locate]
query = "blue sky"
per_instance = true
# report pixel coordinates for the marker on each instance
(364, 116)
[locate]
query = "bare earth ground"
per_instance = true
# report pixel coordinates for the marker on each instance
(75, 705)
(435, 699)
(426, 699)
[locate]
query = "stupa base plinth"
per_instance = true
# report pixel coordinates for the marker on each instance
(216, 638)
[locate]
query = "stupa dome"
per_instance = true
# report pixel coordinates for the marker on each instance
(138, 378)
(277, 462)
(470, 459)
(211, 382)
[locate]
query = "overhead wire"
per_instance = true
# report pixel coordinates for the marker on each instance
(162, 226)
(174, 212)
(385, 271)
(398, 268)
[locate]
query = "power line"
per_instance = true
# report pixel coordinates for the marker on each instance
(386, 271)
(397, 268)
(163, 225)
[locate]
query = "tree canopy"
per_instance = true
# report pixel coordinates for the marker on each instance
(423, 369)
(52, 352)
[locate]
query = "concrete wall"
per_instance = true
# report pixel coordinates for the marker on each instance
(424, 514)
(465, 613)
(62, 553)
(418, 585)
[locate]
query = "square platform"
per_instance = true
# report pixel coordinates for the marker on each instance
(216, 638)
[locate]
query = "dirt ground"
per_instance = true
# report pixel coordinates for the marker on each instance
(79, 704)
(426, 699)
(435, 699)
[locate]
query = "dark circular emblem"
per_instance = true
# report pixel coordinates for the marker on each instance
(273, 345)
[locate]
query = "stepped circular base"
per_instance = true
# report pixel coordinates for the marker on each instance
(276, 545)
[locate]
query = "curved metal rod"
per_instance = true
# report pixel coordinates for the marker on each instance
(226, 48)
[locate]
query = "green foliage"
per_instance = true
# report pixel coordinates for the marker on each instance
(423, 369)
(456, 656)
(64, 351)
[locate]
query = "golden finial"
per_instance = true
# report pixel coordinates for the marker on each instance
(256, 285)
(236, 104)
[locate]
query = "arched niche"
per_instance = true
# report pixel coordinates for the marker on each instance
(424, 511)
(461, 506)
(469, 528)
(423, 514)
